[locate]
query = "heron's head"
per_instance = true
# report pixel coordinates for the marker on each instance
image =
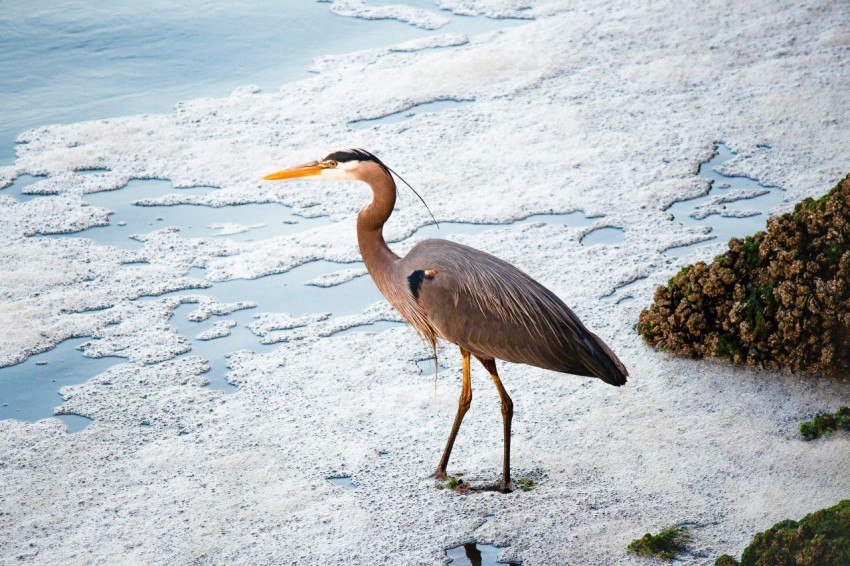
(346, 164)
(342, 164)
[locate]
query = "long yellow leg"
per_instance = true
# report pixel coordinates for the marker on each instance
(462, 407)
(507, 417)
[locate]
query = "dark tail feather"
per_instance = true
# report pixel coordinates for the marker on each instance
(604, 363)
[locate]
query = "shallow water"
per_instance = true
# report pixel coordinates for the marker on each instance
(217, 350)
(261, 221)
(29, 391)
(427, 368)
(377, 326)
(623, 293)
(125, 57)
(264, 220)
(287, 292)
(604, 235)
(343, 481)
(284, 292)
(74, 423)
(724, 228)
(474, 554)
(131, 57)
(406, 114)
(17, 187)
(575, 219)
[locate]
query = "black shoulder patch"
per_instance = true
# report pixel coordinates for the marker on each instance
(415, 282)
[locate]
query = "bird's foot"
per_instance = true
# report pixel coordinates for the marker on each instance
(500, 487)
(440, 474)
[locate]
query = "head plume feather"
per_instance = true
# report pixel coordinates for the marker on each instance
(357, 154)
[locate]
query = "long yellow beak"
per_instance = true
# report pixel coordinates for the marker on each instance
(303, 170)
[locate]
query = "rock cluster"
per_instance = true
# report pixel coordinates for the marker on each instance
(818, 539)
(779, 299)
(666, 545)
(824, 423)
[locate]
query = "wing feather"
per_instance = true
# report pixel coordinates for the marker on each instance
(492, 309)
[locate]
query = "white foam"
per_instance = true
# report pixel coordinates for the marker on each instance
(220, 329)
(266, 323)
(498, 8)
(337, 277)
(358, 59)
(231, 228)
(607, 108)
(424, 19)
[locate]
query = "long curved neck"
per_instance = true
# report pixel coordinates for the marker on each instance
(377, 256)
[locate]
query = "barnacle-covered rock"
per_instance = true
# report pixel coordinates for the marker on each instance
(821, 538)
(779, 298)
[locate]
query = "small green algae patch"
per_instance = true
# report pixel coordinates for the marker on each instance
(525, 484)
(777, 299)
(821, 538)
(824, 423)
(666, 545)
(453, 483)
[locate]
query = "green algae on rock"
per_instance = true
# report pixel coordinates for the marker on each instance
(778, 299)
(821, 538)
(824, 423)
(666, 545)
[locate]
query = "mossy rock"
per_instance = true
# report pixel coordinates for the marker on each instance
(821, 538)
(666, 545)
(778, 299)
(824, 423)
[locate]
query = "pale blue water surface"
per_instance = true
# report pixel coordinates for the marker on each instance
(343, 481)
(476, 554)
(30, 390)
(264, 220)
(401, 115)
(67, 61)
(64, 61)
(723, 228)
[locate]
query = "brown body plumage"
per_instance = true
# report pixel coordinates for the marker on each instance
(486, 306)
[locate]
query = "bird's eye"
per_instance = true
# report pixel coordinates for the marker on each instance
(330, 163)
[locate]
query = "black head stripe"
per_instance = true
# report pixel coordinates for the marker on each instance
(356, 154)
(352, 154)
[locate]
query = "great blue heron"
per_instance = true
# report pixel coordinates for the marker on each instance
(486, 306)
